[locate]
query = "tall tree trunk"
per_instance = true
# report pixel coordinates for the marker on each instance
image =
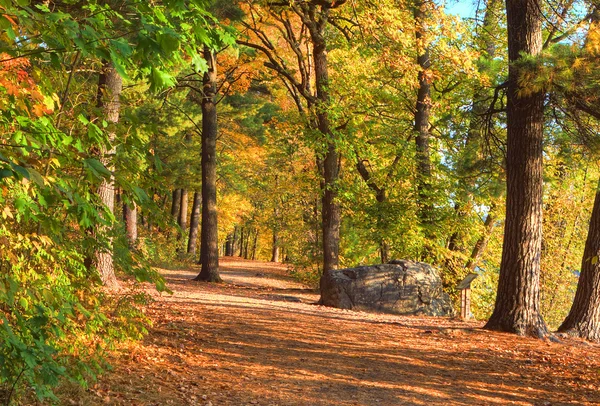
(229, 245)
(183, 210)
(384, 250)
(275, 248)
(422, 129)
(235, 240)
(130, 215)
(209, 238)
(584, 318)
(517, 307)
(247, 242)
(241, 251)
(194, 223)
(330, 211)
(110, 86)
(175, 203)
(254, 245)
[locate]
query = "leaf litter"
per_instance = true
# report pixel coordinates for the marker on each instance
(261, 339)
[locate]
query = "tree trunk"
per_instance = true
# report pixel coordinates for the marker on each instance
(194, 223)
(241, 252)
(384, 250)
(247, 242)
(175, 204)
(229, 245)
(254, 245)
(517, 307)
(275, 248)
(423, 136)
(110, 86)
(130, 215)
(331, 163)
(584, 318)
(235, 240)
(183, 210)
(209, 238)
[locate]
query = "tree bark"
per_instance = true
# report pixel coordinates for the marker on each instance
(130, 215)
(384, 250)
(229, 245)
(584, 317)
(422, 129)
(183, 210)
(241, 251)
(275, 248)
(254, 245)
(175, 204)
(194, 223)
(517, 307)
(110, 86)
(247, 242)
(235, 240)
(330, 211)
(209, 238)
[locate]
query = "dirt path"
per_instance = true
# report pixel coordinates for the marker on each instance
(258, 339)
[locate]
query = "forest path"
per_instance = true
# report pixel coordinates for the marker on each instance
(259, 339)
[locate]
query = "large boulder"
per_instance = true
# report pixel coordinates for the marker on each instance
(400, 287)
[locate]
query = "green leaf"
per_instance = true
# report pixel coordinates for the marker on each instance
(20, 171)
(97, 166)
(160, 80)
(199, 63)
(4, 23)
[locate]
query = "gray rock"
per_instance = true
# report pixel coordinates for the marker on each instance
(399, 287)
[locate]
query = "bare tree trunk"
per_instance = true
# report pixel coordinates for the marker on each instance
(183, 210)
(275, 248)
(130, 215)
(194, 223)
(247, 242)
(384, 251)
(229, 245)
(209, 238)
(110, 86)
(584, 318)
(517, 307)
(330, 210)
(423, 135)
(254, 245)
(175, 203)
(235, 240)
(241, 253)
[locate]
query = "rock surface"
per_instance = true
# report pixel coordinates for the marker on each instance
(400, 287)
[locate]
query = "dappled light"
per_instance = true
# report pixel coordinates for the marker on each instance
(233, 344)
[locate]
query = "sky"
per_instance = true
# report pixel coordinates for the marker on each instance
(463, 8)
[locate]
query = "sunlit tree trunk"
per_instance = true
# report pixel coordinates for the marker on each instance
(209, 239)
(110, 86)
(330, 210)
(175, 203)
(275, 247)
(517, 307)
(422, 129)
(194, 224)
(584, 318)
(130, 216)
